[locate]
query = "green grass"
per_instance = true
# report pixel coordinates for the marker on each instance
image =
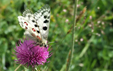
(93, 50)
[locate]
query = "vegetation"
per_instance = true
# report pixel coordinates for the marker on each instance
(93, 46)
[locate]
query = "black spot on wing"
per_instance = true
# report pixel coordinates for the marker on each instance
(44, 28)
(29, 16)
(43, 12)
(36, 25)
(38, 31)
(49, 11)
(45, 16)
(46, 21)
(33, 21)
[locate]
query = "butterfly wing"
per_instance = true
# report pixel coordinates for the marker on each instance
(36, 25)
(28, 22)
(43, 19)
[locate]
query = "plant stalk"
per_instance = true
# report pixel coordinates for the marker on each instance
(17, 67)
(73, 30)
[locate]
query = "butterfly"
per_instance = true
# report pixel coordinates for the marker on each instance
(36, 25)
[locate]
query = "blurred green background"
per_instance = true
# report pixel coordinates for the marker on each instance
(93, 49)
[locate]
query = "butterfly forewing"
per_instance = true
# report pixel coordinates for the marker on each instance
(43, 19)
(36, 25)
(27, 22)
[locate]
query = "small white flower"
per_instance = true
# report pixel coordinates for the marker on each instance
(92, 30)
(98, 7)
(66, 20)
(76, 40)
(98, 22)
(81, 39)
(102, 23)
(64, 10)
(90, 17)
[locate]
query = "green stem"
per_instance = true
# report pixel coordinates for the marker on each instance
(17, 67)
(72, 48)
(33, 69)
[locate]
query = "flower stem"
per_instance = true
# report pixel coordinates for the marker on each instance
(17, 67)
(33, 69)
(72, 48)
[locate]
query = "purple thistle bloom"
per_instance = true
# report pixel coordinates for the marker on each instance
(29, 54)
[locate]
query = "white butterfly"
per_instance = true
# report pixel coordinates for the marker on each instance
(36, 25)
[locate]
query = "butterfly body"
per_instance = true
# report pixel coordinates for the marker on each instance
(36, 25)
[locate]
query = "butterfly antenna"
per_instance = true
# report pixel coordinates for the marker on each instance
(25, 6)
(52, 42)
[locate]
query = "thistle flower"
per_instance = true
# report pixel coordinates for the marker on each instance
(29, 54)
